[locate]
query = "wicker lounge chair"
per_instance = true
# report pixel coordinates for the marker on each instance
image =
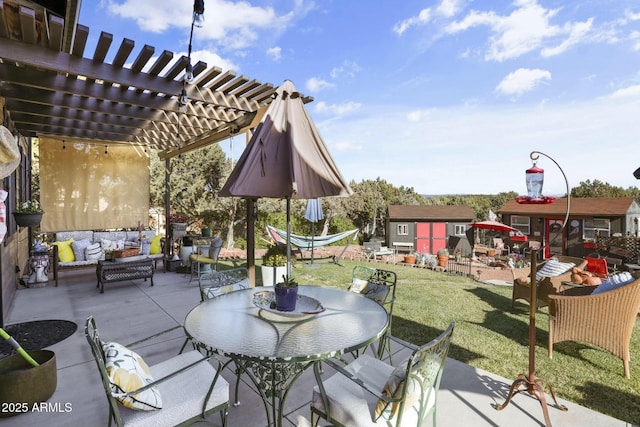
(547, 285)
(605, 320)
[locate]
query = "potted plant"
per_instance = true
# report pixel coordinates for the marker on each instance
(410, 259)
(443, 257)
(274, 265)
(286, 292)
(28, 214)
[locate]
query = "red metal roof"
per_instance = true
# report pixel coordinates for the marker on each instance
(431, 213)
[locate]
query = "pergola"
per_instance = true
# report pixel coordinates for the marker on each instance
(50, 86)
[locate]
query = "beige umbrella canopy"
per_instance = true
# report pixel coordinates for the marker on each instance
(286, 158)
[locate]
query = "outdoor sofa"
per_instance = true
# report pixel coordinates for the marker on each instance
(83, 249)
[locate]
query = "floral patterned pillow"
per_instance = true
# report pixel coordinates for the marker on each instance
(128, 372)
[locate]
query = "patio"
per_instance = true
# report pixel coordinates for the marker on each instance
(130, 310)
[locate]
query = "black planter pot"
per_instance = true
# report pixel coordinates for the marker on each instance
(28, 219)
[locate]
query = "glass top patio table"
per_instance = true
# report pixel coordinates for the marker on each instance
(232, 325)
(275, 349)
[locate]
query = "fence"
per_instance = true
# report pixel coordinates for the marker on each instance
(626, 248)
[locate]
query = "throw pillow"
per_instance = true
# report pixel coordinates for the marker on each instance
(145, 247)
(79, 248)
(376, 292)
(553, 268)
(111, 245)
(128, 372)
(65, 252)
(94, 252)
(614, 282)
(156, 247)
(358, 285)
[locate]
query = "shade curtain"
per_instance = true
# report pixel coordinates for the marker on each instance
(84, 188)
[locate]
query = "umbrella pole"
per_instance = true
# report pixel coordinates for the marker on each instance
(313, 234)
(288, 236)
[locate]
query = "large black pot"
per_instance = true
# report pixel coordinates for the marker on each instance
(22, 385)
(28, 219)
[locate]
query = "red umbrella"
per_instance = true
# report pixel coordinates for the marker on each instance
(494, 226)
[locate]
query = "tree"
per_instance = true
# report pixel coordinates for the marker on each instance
(598, 189)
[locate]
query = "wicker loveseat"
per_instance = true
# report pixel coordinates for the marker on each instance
(547, 285)
(605, 320)
(95, 237)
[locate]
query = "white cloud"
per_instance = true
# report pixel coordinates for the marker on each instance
(337, 109)
(315, 84)
(629, 14)
(417, 115)
(522, 80)
(627, 92)
(423, 17)
(348, 68)
(526, 29)
(235, 25)
(448, 8)
(577, 32)
(275, 53)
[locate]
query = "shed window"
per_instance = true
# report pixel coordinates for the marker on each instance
(403, 230)
(460, 230)
(590, 227)
(522, 223)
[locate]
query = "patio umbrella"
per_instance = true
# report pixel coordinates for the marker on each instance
(286, 158)
(494, 226)
(313, 214)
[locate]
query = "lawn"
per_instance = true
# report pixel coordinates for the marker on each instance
(492, 336)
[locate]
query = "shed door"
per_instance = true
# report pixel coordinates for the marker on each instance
(431, 236)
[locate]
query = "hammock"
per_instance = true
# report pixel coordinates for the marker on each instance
(304, 242)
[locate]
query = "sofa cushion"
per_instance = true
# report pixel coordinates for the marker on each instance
(156, 247)
(553, 268)
(94, 252)
(79, 248)
(65, 252)
(111, 245)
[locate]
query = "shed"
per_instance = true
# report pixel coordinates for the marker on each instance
(588, 217)
(426, 229)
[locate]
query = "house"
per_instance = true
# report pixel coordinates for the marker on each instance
(588, 218)
(426, 229)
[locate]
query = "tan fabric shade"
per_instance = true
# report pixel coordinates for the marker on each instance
(84, 188)
(286, 157)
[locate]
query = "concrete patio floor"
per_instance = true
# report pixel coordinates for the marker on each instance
(131, 310)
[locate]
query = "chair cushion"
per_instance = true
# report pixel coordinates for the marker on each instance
(65, 252)
(614, 282)
(183, 395)
(376, 292)
(553, 268)
(358, 285)
(216, 291)
(127, 372)
(79, 249)
(156, 247)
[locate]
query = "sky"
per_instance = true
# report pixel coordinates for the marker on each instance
(445, 97)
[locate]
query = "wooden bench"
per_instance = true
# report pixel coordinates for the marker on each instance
(118, 271)
(403, 246)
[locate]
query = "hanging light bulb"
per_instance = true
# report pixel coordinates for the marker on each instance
(64, 147)
(198, 13)
(183, 99)
(188, 75)
(105, 150)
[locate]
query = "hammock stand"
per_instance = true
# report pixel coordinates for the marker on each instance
(305, 243)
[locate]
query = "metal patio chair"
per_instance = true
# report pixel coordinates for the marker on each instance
(369, 392)
(187, 387)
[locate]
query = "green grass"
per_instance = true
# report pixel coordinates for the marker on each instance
(490, 335)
